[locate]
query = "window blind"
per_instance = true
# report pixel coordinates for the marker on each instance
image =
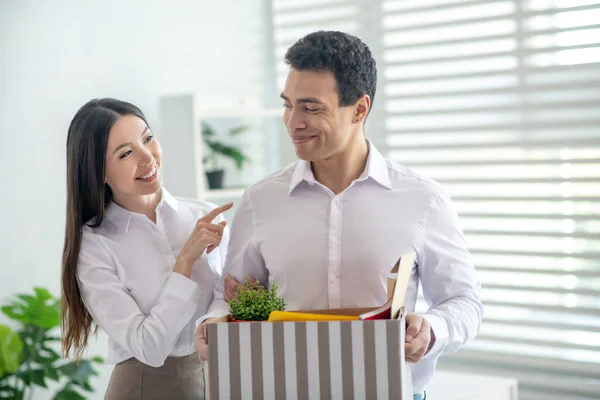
(499, 101)
(293, 19)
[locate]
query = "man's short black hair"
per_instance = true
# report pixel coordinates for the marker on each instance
(346, 56)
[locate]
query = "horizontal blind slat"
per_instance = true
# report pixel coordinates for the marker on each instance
(511, 270)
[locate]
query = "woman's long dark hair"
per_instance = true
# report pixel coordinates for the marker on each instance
(87, 198)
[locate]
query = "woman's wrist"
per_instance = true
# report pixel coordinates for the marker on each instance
(183, 266)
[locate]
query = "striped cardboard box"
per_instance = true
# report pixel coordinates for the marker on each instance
(308, 360)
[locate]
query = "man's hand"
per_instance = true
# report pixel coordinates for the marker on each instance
(200, 338)
(232, 286)
(419, 338)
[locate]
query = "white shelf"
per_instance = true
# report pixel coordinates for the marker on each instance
(183, 147)
(227, 193)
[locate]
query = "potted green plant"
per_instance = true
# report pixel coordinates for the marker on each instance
(215, 149)
(254, 302)
(28, 355)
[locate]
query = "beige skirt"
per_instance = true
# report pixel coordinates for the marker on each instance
(178, 378)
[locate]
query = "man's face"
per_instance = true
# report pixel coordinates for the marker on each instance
(318, 126)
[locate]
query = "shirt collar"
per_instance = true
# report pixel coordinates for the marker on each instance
(118, 216)
(169, 200)
(302, 172)
(121, 217)
(375, 169)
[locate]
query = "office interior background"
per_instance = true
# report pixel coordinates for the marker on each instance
(498, 100)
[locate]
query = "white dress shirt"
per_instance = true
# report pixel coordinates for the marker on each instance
(331, 251)
(126, 278)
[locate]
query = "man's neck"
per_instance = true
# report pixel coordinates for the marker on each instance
(339, 171)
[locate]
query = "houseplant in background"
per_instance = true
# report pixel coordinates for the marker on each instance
(29, 356)
(254, 302)
(215, 149)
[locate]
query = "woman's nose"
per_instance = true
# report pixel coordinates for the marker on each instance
(146, 157)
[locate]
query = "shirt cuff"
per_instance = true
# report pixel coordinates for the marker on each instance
(213, 314)
(182, 288)
(440, 330)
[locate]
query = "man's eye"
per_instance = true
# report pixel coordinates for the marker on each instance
(128, 152)
(287, 105)
(312, 109)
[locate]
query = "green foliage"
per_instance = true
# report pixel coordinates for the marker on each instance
(217, 148)
(11, 350)
(254, 302)
(28, 357)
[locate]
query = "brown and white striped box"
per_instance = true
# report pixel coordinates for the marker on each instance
(308, 360)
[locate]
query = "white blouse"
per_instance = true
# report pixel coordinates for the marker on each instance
(126, 278)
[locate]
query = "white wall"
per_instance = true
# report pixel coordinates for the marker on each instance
(56, 55)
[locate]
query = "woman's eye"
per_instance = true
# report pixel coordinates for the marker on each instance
(128, 152)
(149, 138)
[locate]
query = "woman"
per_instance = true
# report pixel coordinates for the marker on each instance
(138, 263)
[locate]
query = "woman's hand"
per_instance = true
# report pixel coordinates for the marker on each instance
(205, 236)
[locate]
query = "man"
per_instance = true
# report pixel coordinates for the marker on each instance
(328, 228)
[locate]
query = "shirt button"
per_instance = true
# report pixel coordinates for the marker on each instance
(334, 239)
(336, 202)
(310, 183)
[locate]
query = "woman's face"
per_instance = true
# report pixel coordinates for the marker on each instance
(132, 159)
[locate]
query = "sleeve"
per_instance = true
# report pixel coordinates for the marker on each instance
(149, 338)
(243, 257)
(450, 285)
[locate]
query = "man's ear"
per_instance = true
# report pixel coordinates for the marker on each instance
(361, 109)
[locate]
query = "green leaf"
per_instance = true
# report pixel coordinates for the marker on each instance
(43, 310)
(228, 151)
(47, 316)
(78, 374)
(68, 393)
(87, 387)
(98, 360)
(26, 298)
(255, 303)
(43, 294)
(52, 372)
(238, 130)
(207, 130)
(25, 377)
(45, 359)
(52, 339)
(37, 377)
(11, 350)
(15, 313)
(49, 350)
(9, 392)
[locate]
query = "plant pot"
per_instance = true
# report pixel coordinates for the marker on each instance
(215, 178)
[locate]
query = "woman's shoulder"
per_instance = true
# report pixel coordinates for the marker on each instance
(96, 249)
(97, 238)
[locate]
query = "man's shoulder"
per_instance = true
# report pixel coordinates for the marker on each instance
(197, 207)
(402, 176)
(276, 183)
